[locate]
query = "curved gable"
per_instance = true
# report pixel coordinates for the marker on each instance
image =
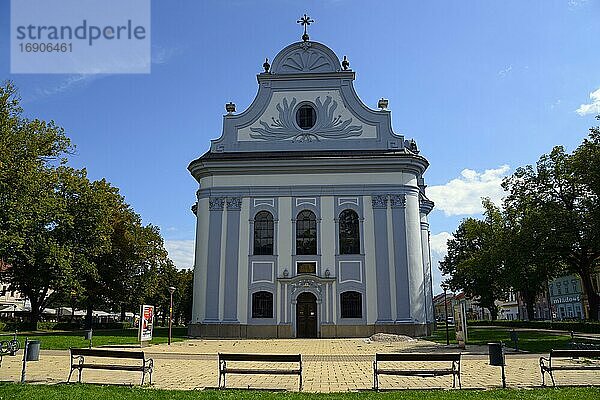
(305, 57)
(307, 74)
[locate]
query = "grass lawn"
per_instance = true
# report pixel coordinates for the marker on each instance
(81, 391)
(535, 342)
(63, 340)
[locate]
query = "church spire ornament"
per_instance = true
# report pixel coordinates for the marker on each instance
(305, 21)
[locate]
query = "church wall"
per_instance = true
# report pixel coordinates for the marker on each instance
(415, 258)
(200, 261)
(398, 221)
(243, 251)
(246, 181)
(428, 294)
(369, 244)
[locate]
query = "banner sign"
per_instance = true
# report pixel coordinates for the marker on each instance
(146, 323)
(460, 324)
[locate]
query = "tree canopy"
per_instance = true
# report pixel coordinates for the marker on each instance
(66, 238)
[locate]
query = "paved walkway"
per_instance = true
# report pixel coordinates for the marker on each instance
(330, 365)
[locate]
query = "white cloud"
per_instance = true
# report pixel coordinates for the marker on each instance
(438, 247)
(462, 195)
(505, 71)
(593, 107)
(181, 252)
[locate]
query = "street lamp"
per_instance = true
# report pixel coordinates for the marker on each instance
(171, 290)
(445, 287)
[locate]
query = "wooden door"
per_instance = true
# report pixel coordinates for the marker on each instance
(306, 316)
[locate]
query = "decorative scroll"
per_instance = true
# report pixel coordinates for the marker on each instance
(304, 284)
(328, 126)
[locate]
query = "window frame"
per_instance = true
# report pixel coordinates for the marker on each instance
(259, 240)
(348, 232)
(306, 244)
(262, 304)
(351, 305)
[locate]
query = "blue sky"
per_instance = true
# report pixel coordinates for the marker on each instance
(483, 87)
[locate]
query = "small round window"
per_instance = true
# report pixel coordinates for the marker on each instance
(306, 117)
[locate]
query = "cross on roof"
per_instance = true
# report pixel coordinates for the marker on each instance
(305, 22)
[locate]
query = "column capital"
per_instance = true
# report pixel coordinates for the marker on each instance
(234, 203)
(379, 201)
(216, 203)
(398, 201)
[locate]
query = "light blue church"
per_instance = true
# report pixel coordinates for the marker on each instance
(311, 212)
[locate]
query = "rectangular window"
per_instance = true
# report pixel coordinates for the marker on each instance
(262, 305)
(566, 283)
(351, 305)
(558, 288)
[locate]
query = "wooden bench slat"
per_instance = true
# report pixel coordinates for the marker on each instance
(263, 371)
(424, 372)
(138, 355)
(574, 367)
(261, 357)
(113, 367)
(574, 353)
(380, 357)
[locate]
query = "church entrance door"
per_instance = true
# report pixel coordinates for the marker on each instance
(306, 316)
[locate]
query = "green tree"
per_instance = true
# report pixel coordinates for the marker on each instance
(527, 262)
(31, 211)
(474, 259)
(563, 188)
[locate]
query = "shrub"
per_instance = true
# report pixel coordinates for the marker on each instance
(575, 326)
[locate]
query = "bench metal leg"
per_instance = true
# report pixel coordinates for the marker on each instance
(143, 376)
(70, 373)
(80, 371)
(375, 381)
(300, 384)
(552, 377)
(543, 377)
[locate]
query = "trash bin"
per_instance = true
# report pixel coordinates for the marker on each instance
(88, 334)
(33, 350)
(496, 354)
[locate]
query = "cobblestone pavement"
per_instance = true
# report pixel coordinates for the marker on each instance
(330, 365)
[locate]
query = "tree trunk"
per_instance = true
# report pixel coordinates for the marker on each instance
(88, 317)
(592, 296)
(34, 315)
(122, 312)
(493, 312)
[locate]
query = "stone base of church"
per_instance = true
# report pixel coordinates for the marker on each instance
(284, 331)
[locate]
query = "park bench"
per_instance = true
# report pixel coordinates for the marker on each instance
(453, 369)
(269, 359)
(557, 358)
(78, 361)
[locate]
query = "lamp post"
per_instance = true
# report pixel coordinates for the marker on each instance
(445, 287)
(171, 290)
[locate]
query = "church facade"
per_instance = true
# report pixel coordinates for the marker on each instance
(311, 212)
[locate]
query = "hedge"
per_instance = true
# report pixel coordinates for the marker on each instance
(575, 326)
(11, 326)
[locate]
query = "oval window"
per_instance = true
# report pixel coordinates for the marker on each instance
(306, 117)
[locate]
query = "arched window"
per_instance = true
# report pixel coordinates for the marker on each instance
(351, 304)
(306, 233)
(349, 232)
(262, 305)
(263, 234)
